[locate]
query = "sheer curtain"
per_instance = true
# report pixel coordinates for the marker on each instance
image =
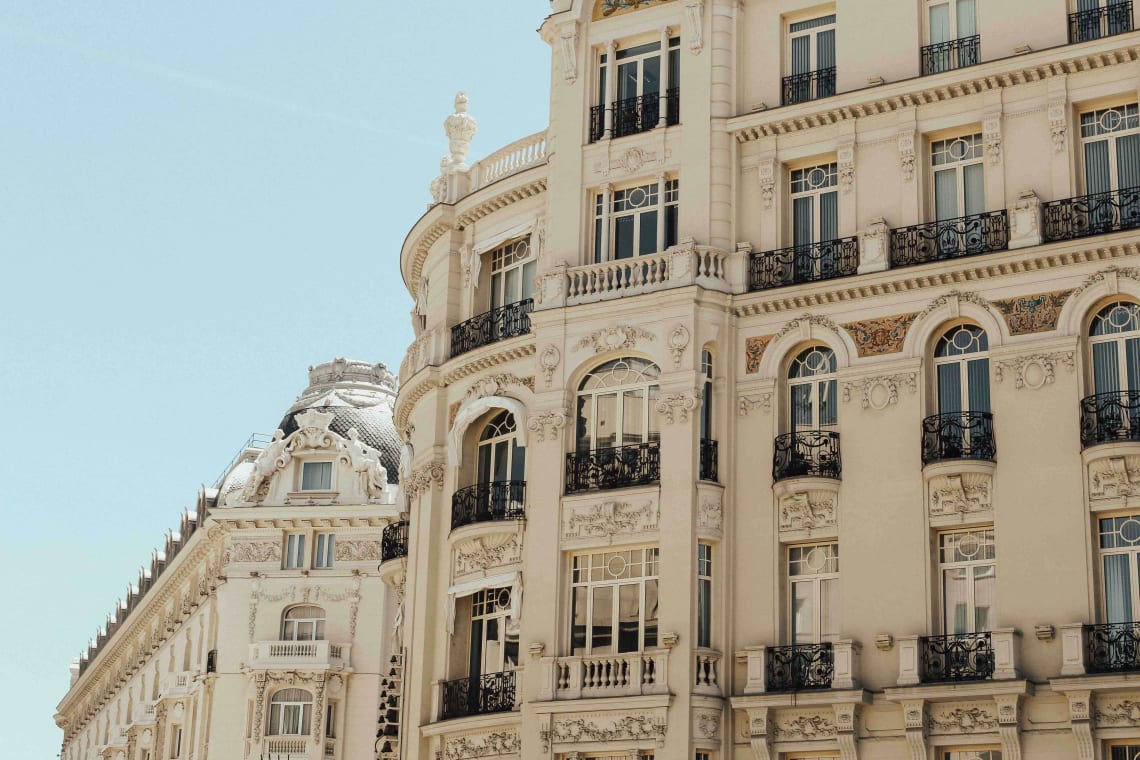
(1117, 589)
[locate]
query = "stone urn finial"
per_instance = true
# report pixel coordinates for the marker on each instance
(460, 128)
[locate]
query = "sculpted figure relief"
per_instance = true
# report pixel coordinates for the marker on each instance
(366, 464)
(272, 457)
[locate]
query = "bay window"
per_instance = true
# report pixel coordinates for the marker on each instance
(614, 599)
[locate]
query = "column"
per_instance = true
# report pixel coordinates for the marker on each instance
(661, 212)
(607, 208)
(663, 95)
(611, 88)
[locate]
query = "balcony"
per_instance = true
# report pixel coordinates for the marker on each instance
(1110, 418)
(505, 322)
(1105, 21)
(632, 116)
(811, 85)
(487, 502)
(956, 657)
(958, 435)
(950, 239)
(477, 695)
(317, 655)
(394, 541)
(679, 266)
(801, 667)
(287, 747)
(1112, 647)
(613, 467)
(1094, 214)
(947, 56)
(612, 675)
(807, 454)
(814, 262)
(710, 461)
(707, 669)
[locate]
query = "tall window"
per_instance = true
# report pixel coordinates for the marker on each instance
(1099, 18)
(493, 648)
(294, 551)
(815, 204)
(290, 713)
(812, 390)
(963, 370)
(813, 574)
(330, 720)
(950, 21)
(1119, 549)
(500, 457)
(968, 561)
(176, 742)
(316, 476)
(325, 549)
(1122, 752)
(617, 405)
(1114, 341)
(959, 177)
(707, 395)
(640, 220)
(614, 597)
(512, 273)
(704, 595)
(303, 623)
(639, 80)
(1110, 139)
(811, 50)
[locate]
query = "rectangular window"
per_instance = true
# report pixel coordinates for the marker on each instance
(952, 35)
(958, 169)
(294, 551)
(614, 601)
(1119, 550)
(968, 560)
(316, 476)
(494, 642)
(815, 220)
(813, 576)
(1124, 751)
(330, 720)
(635, 214)
(704, 595)
(176, 742)
(639, 80)
(1110, 140)
(1094, 19)
(810, 62)
(323, 557)
(512, 273)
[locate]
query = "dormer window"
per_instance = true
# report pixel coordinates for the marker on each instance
(316, 476)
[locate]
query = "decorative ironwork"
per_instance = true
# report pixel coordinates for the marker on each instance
(632, 116)
(212, 661)
(958, 435)
(807, 453)
(477, 695)
(1112, 647)
(799, 667)
(508, 321)
(710, 460)
(613, 467)
(673, 106)
(1094, 214)
(950, 238)
(811, 85)
(1109, 417)
(485, 502)
(814, 262)
(394, 541)
(955, 54)
(1105, 21)
(597, 123)
(956, 657)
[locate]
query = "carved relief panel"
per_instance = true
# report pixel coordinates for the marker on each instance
(627, 519)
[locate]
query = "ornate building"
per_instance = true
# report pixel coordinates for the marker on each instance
(781, 401)
(262, 629)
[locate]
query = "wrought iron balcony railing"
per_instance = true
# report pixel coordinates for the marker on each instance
(956, 657)
(710, 460)
(485, 502)
(1112, 647)
(807, 454)
(1095, 214)
(505, 322)
(632, 116)
(950, 238)
(394, 541)
(1110, 417)
(814, 262)
(613, 467)
(477, 695)
(597, 123)
(799, 667)
(811, 85)
(955, 54)
(958, 435)
(1105, 21)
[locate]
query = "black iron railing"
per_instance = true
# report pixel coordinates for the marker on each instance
(1094, 214)
(814, 262)
(956, 657)
(597, 123)
(950, 238)
(484, 502)
(673, 106)
(508, 321)
(799, 667)
(394, 541)
(811, 85)
(807, 454)
(710, 460)
(1112, 647)
(1105, 21)
(614, 467)
(1110, 417)
(477, 695)
(958, 435)
(212, 661)
(955, 54)
(632, 116)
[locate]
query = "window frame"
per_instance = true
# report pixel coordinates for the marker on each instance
(963, 361)
(279, 710)
(815, 580)
(488, 605)
(1121, 340)
(970, 565)
(813, 33)
(1132, 552)
(813, 381)
(316, 624)
(705, 598)
(975, 156)
(324, 550)
(648, 382)
(505, 259)
(326, 468)
(954, 26)
(489, 447)
(649, 564)
(294, 556)
(1131, 112)
(830, 170)
(667, 192)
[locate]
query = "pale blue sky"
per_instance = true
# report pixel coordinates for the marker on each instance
(197, 201)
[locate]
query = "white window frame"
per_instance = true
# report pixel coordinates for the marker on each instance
(308, 628)
(493, 605)
(813, 33)
(294, 558)
(285, 712)
(611, 382)
(955, 26)
(1107, 124)
(176, 742)
(635, 199)
(330, 719)
(503, 441)
(814, 381)
(324, 550)
(819, 563)
(515, 258)
(1115, 529)
(813, 182)
(984, 535)
(956, 153)
(582, 572)
(322, 467)
(1120, 339)
(962, 361)
(1131, 748)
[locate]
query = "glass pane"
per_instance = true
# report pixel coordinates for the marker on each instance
(602, 621)
(829, 609)
(940, 23)
(528, 271)
(511, 289)
(825, 49)
(518, 463)
(704, 613)
(955, 596)
(651, 613)
(607, 422)
(975, 182)
(949, 388)
(801, 54)
(967, 24)
(483, 472)
(803, 222)
(1128, 161)
(496, 290)
(1106, 367)
(623, 237)
(1098, 178)
(502, 455)
(493, 654)
(651, 76)
(647, 242)
(985, 597)
(827, 405)
(629, 617)
(578, 616)
(633, 417)
(802, 417)
(627, 80)
(598, 253)
(1117, 588)
(946, 194)
(829, 216)
(803, 613)
(978, 375)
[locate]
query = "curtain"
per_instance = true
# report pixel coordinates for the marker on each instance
(949, 388)
(985, 596)
(803, 613)
(829, 216)
(801, 407)
(974, 178)
(825, 49)
(1117, 589)
(827, 412)
(801, 54)
(955, 600)
(1128, 161)
(978, 376)
(946, 194)
(829, 609)
(1097, 174)
(939, 23)
(967, 20)
(1106, 367)
(802, 221)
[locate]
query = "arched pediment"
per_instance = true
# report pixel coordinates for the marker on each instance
(475, 409)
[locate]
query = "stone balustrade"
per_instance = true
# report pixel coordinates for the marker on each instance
(615, 675)
(520, 155)
(298, 654)
(706, 672)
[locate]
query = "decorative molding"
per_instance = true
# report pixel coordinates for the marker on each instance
(1035, 313)
(991, 137)
(568, 50)
(548, 360)
(809, 510)
(1079, 704)
(1114, 477)
(609, 519)
(494, 385)
(1059, 124)
(880, 391)
(1115, 711)
(678, 342)
(677, 406)
(711, 514)
(498, 744)
(694, 25)
(767, 175)
(810, 319)
(754, 349)
(954, 297)
(883, 335)
(615, 338)
(846, 159)
(804, 727)
(582, 729)
(472, 265)
(706, 724)
(906, 155)
(483, 553)
(914, 724)
(961, 494)
(968, 719)
(547, 426)
(1034, 370)
(1108, 273)
(1009, 725)
(357, 550)
(424, 477)
(254, 552)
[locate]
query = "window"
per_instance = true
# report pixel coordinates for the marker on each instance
(811, 64)
(963, 370)
(294, 551)
(494, 640)
(634, 103)
(972, 754)
(959, 177)
(316, 476)
(290, 713)
(704, 595)
(813, 576)
(1110, 139)
(617, 405)
(952, 31)
(330, 720)
(815, 204)
(176, 742)
(323, 557)
(812, 390)
(303, 623)
(512, 273)
(636, 221)
(501, 459)
(707, 395)
(614, 597)
(1123, 752)
(1114, 341)
(968, 561)
(1119, 549)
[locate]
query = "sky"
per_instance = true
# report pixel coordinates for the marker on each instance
(197, 202)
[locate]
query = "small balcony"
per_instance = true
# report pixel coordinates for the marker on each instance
(1100, 648)
(810, 85)
(488, 502)
(954, 54)
(632, 116)
(956, 657)
(394, 541)
(710, 461)
(505, 322)
(1105, 21)
(318, 655)
(958, 435)
(477, 695)
(950, 239)
(1110, 418)
(801, 667)
(612, 675)
(613, 467)
(814, 262)
(1093, 214)
(287, 747)
(807, 454)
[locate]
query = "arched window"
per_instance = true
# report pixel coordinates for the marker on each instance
(290, 713)
(500, 457)
(616, 405)
(963, 370)
(812, 390)
(303, 623)
(1114, 341)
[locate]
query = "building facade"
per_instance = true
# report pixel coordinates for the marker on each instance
(780, 401)
(262, 629)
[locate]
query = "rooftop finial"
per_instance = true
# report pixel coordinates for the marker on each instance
(460, 128)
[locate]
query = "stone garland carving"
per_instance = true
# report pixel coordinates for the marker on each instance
(1131, 273)
(991, 136)
(497, 744)
(581, 729)
(678, 342)
(812, 319)
(964, 720)
(424, 477)
(906, 155)
(884, 335)
(846, 160)
(1058, 125)
(677, 406)
(959, 494)
(1035, 370)
(255, 551)
(881, 391)
(547, 425)
(767, 174)
(808, 511)
(803, 728)
(493, 385)
(630, 162)
(707, 724)
(955, 295)
(1033, 313)
(711, 514)
(1123, 712)
(1114, 477)
(616, 338)
(747, 403)
(754, 349)
(548, 360)
(481, 554)
(694, 25)
(568, 48)
(610, 518)
(357, 550)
